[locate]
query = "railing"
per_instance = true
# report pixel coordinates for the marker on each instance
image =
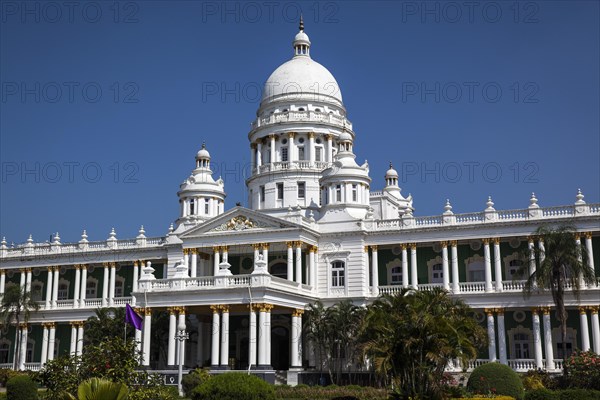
(64, 303)
(486, 217)
(471, 287)
(43, 249)
(430, 286)
(121, 301)
(294, 116)
(33, 366)
(522, 365)
(92, 303)
(286, 165)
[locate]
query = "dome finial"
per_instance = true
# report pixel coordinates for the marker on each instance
(301, 22)
(203, 145)
(391, 167)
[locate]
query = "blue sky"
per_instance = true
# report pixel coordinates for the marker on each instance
(104, 104)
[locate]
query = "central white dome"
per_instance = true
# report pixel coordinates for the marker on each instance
(302, 78)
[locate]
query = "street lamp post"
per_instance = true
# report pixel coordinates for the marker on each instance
(181, 336)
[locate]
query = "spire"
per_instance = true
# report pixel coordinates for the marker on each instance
(301, 23)
(301, 41)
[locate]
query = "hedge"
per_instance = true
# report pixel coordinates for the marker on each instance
(234, 386)
(21, 387)
(495, 379)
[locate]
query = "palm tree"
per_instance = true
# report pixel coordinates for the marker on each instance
(99, 389)
(562, 263)
(16, 307)
(413, 335)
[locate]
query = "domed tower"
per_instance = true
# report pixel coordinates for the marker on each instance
(200, 196)
(345, 185)
(296, 132)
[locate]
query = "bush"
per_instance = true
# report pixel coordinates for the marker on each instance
(234, 386)
(21, 387)
(541, 394)
(305, 392)
(584, 370)
(5, 375)
(495, 379)
(578, 394)
(190, 381)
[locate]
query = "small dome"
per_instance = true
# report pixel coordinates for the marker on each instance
(391, 173)
(203, 153)
(345, 137)
(301, 38)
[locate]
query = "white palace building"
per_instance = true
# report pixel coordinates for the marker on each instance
(315, 229)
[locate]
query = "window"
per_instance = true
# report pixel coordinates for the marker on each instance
(63, 290)
(119, 286)
(568, 348)
(4, 348)
(354, 192)
(318, 154)
(284, 154)
(521, 345)
(280, 191)
(90, 288)
(396, 276)
(192, 208)
(338, 271)
(29, 354)
(476, 270)
(301, 153)
(437, 273)
(206, 206)
(338, 193)
(36, 291)
(301, 190)
(262, 194)
(514, 272)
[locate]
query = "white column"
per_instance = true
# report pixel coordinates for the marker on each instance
(73, 348)
(138, 340)
(23, 278)
(225, 255)
(3, 282)
(48, 287)
(454, 263)
(28, 280)
(498, 265)
(311, 148)
(531, 247)
(105, 282)
(225, 336)
(414, 278)
(582, 283)
(83, 285)
(595, 329)
(171, 338)
(542, 251)
(55, 286)
(328, 150)
(537, 339)
(491, 328)
(79, 338)
(194, 267)
(590, 250)
(268, 333)
(404, 266)
(265, 252)
(312, 267)
(445, 267)
(502, 337)
(299, 262)
(23, 351)
(216, 260)
(258, 154)
(216, 333)
(488, 265)
(262, 335)
(375, 272)
(181, 322)
(585, 330)
(272, 156)
(296, 338)
(548, 340)
(51, 340)
(252, 342)
(256, 248)
(147, 335)
(77, 289)
(186, 259)
(290, 261)
(252, 158)
(111, 293)
(291, 147)
(44, 355)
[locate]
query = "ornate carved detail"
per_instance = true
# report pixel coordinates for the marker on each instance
(587, 235)
(297, 312)
(583, 310)
(545, 310)
(215, 308)
(453, 243)
(489, 311)
(374, 248)
(413, 246)
(444, 243)
(224, 308)
(403, 246)
(496, 240)
(239, 223)
(486, 241)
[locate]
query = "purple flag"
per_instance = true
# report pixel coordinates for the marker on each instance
(132, 318)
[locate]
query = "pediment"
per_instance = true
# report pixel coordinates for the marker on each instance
(239, 219)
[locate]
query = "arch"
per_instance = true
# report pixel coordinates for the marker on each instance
(520, 342)
(512, 264)
(30, 349)
(557, 343)
(37, 290)
(63, 289)
(4, 350)
(475, 268)
(435, 270)
(278, 268)
(119, 286)
(91, 288)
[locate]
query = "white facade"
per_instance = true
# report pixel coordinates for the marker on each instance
(314, 230)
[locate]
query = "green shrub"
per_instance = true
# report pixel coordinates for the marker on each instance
(305, 392)
(495, 379)
(234, 386)
(190, 381)
(21, 387)
(578, 394)
(5, 375)
(584, 370)
(541, 394)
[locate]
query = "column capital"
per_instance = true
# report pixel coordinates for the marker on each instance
(486, 241)
(186, 252)
(535, 310)
(312, 249)
(51, 325)
(545, 310)
(577, 235)
(366, 249)
(181, 310)
(499, 311)
(587, 235)
(583, 310)
(453, 243)
(56, 268)
(23, 325)
(403, 246)
(413, 246)
(216, 249)
(135, 263)
(297, 312)
(256, 246)
(374, 247)
(594, 309)
(290, 135)
(22, 270)
(311, 135)
(77, 267)
(496, 240)
(444, 243)
(253, 145)
(298, 243)
(531, 239)
(253, 307)
(83, 266)
(328, 136)
(146, 310)
(225, 249)
(224, 308)
(489, 311)
(172, 310)
(264, 246)
(215, 308)
(289, 244)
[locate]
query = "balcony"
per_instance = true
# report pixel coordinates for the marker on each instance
(69, 304)
(302, 116)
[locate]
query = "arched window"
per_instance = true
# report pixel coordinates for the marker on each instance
(437, 273)
(119, 286)
(63, 289)
(394, 269)
(475, 269)
(30, 349)
(91, 288)
(279, 269)
(338, 274)
(37, 288)
(4, 350)
(514, 270)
